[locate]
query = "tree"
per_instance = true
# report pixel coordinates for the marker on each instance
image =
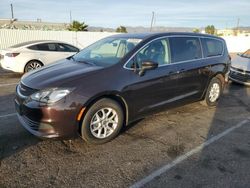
(77, 26)
(196, 30)
(121, 29)
(210, 29)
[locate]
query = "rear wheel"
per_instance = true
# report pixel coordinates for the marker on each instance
(32, 65)
(213, 93)
(102, 122)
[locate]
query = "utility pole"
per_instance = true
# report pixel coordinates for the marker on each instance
(12, 12)
(70, 17)
(152, 21)
(238, 23)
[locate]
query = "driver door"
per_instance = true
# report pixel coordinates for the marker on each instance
(156, 88)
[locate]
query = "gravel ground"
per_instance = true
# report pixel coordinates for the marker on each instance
(142, 148)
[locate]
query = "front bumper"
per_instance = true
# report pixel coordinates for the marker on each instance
(49, 121)
(240, 77)
(38, 129)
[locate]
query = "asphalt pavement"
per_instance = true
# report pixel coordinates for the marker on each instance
(189, 146)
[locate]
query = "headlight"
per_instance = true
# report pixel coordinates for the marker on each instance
(50, 95)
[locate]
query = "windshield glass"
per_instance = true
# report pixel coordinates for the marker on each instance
(106, 52)
(246, 54)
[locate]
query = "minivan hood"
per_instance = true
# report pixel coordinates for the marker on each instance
(241, 63)
(57, 74)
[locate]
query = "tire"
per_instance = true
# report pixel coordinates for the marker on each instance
(213, 93)
(32, 65)
(94, 118)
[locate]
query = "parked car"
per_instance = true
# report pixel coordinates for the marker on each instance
(240, 68)
(31, 55)
(120, 79)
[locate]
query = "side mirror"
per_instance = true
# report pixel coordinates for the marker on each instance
(147, 65)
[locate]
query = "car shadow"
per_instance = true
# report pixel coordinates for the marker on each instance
(13, 137)
(220, 163)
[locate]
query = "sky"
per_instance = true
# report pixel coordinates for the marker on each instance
(113, 13)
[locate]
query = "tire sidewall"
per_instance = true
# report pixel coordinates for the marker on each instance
(85, 126)
(207, 99)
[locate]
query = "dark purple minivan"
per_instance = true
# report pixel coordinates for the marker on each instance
(120, 79)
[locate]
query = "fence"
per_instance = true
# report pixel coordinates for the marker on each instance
(82, 39)
(10, 37)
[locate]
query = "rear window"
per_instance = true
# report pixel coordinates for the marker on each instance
(185, 48)
(212, 47)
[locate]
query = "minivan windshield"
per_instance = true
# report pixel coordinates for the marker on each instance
(106, 52)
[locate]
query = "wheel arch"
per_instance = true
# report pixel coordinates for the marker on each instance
(218, 75)
(113, 96)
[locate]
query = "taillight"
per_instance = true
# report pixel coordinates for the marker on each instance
(12, 54)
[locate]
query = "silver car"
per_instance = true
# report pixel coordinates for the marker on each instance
(240, 68)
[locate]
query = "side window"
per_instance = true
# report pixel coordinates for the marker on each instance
(66, 48)
(185, 48)
(52, 47)
(47, 47)
(42, 47)
(212, 47)
(157, 51)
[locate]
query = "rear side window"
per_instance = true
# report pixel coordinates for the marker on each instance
(44, 47)
(185, 48)
(66, 48)
(212, 47)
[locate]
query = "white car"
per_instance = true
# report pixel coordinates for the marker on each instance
(31, 55)
(240, 68)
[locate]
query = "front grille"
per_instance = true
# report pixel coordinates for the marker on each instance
(32, 124)
(240, 70)
(36, 126)
(25, 91)
(240, 76)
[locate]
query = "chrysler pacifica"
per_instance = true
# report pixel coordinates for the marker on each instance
(120, 79)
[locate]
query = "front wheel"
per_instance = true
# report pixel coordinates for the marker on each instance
(213, 93)
(102, 122)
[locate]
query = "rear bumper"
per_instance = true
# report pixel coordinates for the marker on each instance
(11, 65)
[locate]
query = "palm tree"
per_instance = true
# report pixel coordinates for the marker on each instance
(77, 26)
